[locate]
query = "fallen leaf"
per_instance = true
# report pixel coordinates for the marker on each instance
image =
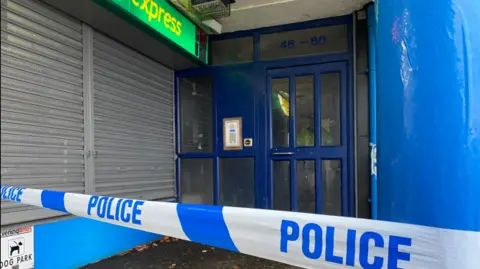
(141, 248)
(124, 253)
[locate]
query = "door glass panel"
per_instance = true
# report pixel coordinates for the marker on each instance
(196, 181)
(306, 186)
(330, 109)
(332, 187)
(196, 114)
(281, 185)
(237, 176)
(304, 112)
(280, 112)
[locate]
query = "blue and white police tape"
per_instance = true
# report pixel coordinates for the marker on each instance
(305, 240)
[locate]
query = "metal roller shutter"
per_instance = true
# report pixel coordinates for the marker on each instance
(41, 103)
(133, 123)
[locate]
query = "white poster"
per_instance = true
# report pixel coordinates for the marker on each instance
(17, 249)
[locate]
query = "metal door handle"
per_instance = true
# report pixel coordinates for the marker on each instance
(282, 153)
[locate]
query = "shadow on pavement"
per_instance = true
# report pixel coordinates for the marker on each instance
(178, 254)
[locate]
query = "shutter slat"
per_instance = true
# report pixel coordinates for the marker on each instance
(42, 104)
(134, 136)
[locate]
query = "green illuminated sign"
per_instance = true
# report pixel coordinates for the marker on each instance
(164, 19)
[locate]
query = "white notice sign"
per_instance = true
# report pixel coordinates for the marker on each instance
(17, 249)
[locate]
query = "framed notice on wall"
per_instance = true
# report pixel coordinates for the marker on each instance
(232, 134)
(17, 250)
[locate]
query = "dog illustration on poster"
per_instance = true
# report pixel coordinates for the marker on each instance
(16, 246)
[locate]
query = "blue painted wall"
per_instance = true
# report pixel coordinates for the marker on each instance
(235, 90)
(429, 112)
(78, 242)
(238, 93)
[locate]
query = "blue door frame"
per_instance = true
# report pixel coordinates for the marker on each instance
(253, 82)
(317, 152)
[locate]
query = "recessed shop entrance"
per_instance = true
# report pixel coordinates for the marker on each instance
(289, 91)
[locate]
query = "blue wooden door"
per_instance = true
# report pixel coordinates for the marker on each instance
(308, 142)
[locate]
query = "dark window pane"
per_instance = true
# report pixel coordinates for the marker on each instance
(196, 114)
(330, 39)
(332, 187)
(281, 185)
(196, 181)
(306, 186)
(330, 110)
(237, 177)
(280, 112)
(304, 113)
(230, 51)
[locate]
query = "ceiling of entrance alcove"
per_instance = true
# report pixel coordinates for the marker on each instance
(252, 14)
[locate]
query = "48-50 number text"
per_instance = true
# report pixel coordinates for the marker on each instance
(314, 41)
